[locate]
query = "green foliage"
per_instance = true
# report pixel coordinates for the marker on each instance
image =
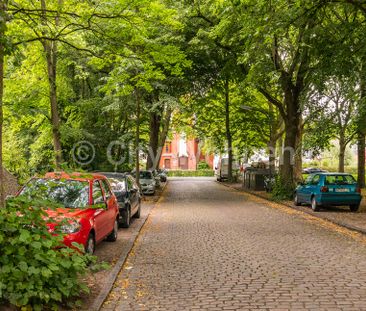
(36, 270)
(187, 173)
(203, 166)
(176, 55)
(283, 189)
(101, 62)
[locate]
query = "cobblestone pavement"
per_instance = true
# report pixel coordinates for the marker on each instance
(208, 247)
(337, 214)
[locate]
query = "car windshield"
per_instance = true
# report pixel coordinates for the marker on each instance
(118, 185)
(339, 180)
(69, 193)
(145, 175)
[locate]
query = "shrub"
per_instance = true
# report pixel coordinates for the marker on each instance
(36, 270)
(203, 166)
(282, 189)
(187, 173)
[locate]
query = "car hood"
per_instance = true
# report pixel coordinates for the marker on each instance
(54, 217)
(67, 213)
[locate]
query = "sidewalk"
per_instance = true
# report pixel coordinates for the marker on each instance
(338, 215)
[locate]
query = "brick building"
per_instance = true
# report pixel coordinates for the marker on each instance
(182, 153)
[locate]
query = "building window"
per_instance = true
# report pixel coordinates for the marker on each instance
(168, 147)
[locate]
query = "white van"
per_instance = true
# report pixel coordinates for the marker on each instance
(222, 169)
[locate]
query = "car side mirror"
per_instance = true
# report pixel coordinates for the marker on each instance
(300, 183)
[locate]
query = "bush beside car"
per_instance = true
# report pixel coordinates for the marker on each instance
(36, 269)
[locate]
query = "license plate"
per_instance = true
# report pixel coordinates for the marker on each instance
(341, 190)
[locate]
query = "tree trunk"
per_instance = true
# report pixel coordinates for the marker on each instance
(342, 151)
(2, 56)
(155, 121)
(288, 155)
(272, 140)
(50, 49)
(361, 160)
(298, 154)
(361, 126)
(137, 138)
(164, 133)
(292, 126)
(272, 155)
(55, 119)
(228, 131)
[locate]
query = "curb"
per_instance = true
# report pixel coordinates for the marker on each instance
(339, 223)
(99, 300)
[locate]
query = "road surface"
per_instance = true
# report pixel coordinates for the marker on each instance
(208, 247)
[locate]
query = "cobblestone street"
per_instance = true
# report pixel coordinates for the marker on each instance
(208, 247)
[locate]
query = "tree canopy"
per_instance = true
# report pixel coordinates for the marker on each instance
(123, 74)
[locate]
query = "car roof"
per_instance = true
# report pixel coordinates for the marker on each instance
(74, 176)
(332, 174)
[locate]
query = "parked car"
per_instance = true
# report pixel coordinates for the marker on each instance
(157, 178)
(222, 169)
(313, 170)
(147, 182)
(163, 174)
(324, 189)
(87, 204)
(128, 195)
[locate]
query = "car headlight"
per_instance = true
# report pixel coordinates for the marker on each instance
(72, 227)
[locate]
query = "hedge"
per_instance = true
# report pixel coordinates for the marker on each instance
(191, 173)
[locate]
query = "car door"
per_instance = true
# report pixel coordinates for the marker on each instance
(133, 194)
(303, 190)
(101, 217)
(112, 204)
(311, 187)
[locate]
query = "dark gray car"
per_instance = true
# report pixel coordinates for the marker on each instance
(128, 195)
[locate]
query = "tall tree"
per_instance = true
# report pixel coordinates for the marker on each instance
(3, 19)
(50, 49)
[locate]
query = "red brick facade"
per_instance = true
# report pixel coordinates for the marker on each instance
(183, 153)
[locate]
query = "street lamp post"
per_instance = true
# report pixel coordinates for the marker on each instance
(269, 116)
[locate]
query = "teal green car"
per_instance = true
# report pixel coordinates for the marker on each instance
(329, 189)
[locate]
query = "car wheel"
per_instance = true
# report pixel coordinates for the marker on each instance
(354, 207)
(114, 234)
(296, 200)
(138, 213)
(126, 218)
(90, 244)
(314, 205)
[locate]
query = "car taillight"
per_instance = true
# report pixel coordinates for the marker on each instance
(324, 189)
(358, 189)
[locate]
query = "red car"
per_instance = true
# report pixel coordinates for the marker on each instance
(89, 206)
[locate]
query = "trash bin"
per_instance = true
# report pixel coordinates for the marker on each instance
(246, 177)
(253, 179)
